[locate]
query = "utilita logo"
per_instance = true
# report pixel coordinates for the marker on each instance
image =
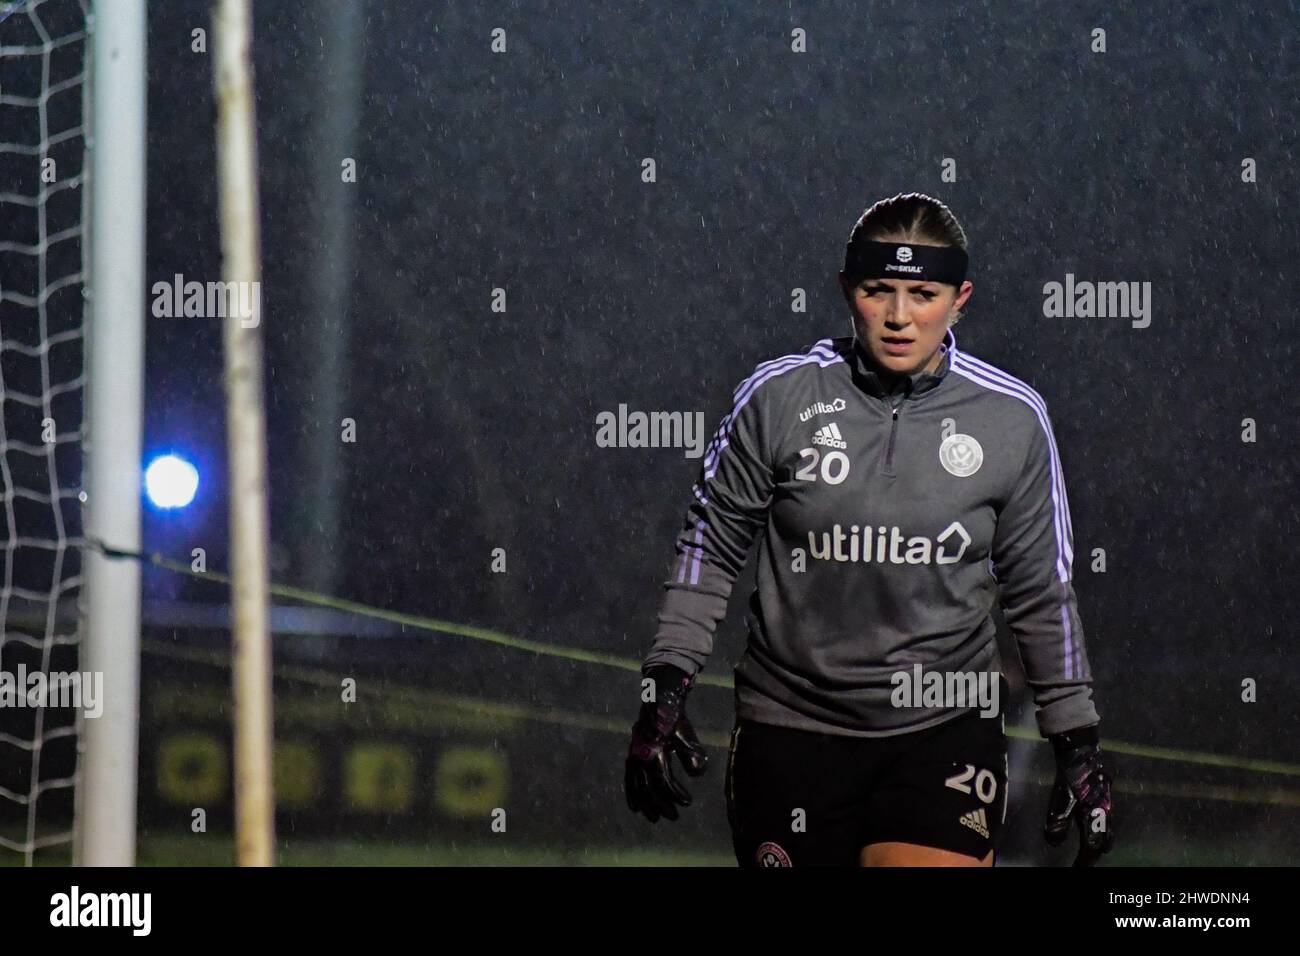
(822, 408)
(888, 545)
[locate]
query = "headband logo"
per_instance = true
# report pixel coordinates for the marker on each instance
(904, 253)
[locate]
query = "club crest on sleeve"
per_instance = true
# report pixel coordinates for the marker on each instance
(961, 455)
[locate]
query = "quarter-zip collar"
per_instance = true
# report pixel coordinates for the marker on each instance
(866, 373)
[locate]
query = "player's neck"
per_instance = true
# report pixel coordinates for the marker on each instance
(891, 379)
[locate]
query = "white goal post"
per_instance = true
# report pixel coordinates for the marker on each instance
(71, 378)
(105, 827)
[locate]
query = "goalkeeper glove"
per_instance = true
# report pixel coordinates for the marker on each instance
(662, 729)
(1081, 792)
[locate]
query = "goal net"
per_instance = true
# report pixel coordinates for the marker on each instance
(43, 269)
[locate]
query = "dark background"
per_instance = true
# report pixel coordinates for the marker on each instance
(476, 429)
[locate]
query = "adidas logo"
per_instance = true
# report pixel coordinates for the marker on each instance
(976, 820)
(829, 435)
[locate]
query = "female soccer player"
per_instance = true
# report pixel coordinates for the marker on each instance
(901, 487)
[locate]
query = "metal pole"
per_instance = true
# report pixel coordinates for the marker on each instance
(115, 139)
(246, 436)
(323, 352)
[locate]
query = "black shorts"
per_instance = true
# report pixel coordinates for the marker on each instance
(799, 798)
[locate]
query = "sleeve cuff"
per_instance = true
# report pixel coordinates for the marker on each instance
(1069, 713)
(680, 661)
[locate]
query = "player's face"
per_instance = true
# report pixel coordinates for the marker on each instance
(910, 313)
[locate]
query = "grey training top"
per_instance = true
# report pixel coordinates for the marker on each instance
(889, 520)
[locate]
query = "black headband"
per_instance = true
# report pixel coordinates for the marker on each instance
(869, 259)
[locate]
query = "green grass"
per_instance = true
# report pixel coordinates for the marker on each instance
(218, 850)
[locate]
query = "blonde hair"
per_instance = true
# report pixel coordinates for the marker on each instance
(913, 218)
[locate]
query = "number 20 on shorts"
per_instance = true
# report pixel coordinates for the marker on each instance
(986, 785)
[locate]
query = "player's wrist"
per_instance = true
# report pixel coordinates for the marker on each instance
(659, 715)
(1070, 743)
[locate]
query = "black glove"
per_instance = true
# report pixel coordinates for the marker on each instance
(661, 730)
(1082, 791)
